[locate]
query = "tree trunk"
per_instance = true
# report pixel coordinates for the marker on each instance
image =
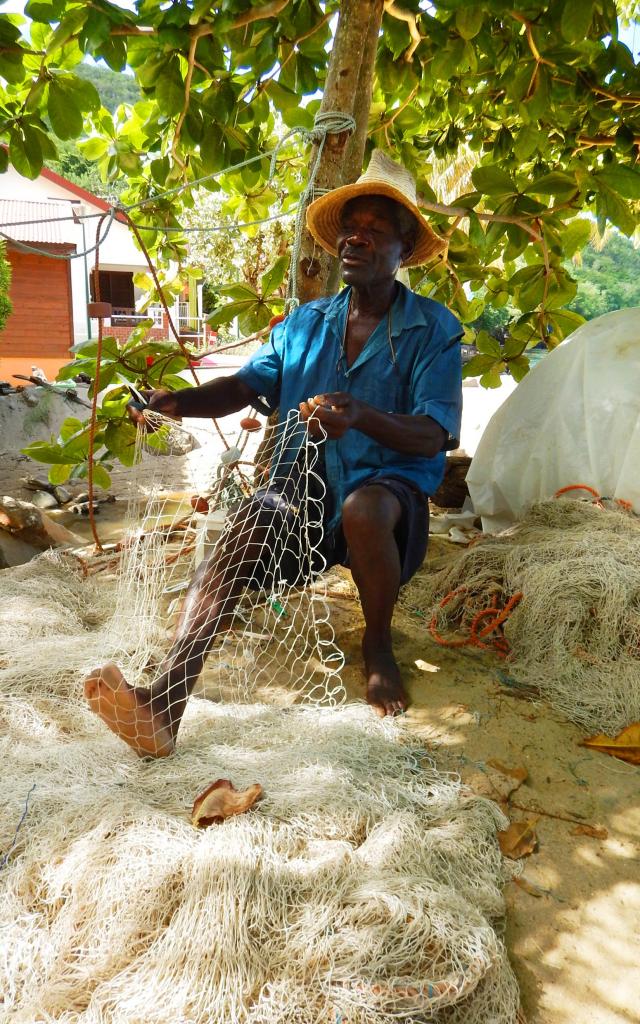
(347, 91)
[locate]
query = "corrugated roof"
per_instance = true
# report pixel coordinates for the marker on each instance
(37, 222)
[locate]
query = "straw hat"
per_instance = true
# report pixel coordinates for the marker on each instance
(383, 177)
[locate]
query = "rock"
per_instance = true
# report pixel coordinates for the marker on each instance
(44, 500)
(62, 495)
(81, 508)
(30, 396)
(37, 483)
(23, 521)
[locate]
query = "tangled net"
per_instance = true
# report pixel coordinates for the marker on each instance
(559, 594)
(364, 887)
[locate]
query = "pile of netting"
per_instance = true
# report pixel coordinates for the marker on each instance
(559, 595)
(364, 887)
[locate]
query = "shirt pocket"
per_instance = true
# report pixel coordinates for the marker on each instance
(388, 393)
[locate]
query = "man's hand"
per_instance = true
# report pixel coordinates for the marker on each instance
(164, 402)
(337, 412)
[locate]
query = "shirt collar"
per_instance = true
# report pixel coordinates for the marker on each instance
(406, 310)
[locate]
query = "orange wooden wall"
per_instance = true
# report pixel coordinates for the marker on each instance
(41, 324)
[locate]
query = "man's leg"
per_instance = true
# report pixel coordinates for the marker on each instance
(148, 718)
(369, 518)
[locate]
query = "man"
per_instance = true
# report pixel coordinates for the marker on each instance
(377, 369)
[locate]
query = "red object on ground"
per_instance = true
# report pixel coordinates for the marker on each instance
(199, 504)
(250, 424)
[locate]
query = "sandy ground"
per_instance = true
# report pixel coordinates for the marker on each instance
(572, 930)
(572, 925)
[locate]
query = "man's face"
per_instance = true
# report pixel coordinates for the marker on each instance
(369, 243)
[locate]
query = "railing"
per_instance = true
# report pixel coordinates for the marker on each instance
(192, 329)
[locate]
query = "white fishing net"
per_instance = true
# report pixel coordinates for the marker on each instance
(574, 636)
(364, 887)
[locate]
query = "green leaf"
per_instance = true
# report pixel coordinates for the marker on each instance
(469, 21)
(25, 153)
(479, 364)
(491, 379)
(12, 67)
(274, 276)
(120, 439)
(623, 180)
(43, 451)
(493, 180)
(575, 23)
(101, 477)
(69, 427)
(553, 184)
(60, 473)
(576, 235)
(477, 236)
(518, 368)
(565, 321)
(610, 205)
(173, 382)
(170, 89)
(64, 112)
(76, 448)
(226, 314)
(526, 142)
(68, 26)
(94, 148)
(488, 345)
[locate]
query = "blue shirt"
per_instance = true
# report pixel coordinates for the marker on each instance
(418, 374)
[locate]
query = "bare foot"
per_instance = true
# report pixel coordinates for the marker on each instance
(127, 712)
(385, 691)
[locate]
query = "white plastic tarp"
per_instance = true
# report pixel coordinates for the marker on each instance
(574, 419)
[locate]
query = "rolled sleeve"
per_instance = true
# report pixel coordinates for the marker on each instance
(437, 385)
(263, 370)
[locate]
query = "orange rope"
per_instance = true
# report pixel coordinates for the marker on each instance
(479, 637)
(96, 389)
(626, 506)
(578, 487)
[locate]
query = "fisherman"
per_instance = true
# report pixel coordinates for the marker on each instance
(374, 370)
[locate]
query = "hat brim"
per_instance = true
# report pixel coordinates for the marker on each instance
(323, 219)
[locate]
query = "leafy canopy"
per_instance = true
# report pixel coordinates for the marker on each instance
(538, 97)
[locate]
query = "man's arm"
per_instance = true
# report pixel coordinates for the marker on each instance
(339, 412)
(215, 399)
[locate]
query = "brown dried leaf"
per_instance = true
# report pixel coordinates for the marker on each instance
(221, 800)
(625, 746)
(519, 774)
(519, 840)
(530, 887)
(595, 831)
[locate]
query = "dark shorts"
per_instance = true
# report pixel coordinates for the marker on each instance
(298, 549)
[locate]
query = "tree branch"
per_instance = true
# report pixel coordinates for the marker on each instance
(391, 8)
(258, 13)
(294, 44)
(191, 59)
(461, 211)
(399, 110)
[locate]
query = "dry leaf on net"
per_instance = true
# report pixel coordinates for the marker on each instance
(221, 800)
(625, 746)
(519, 840)
(595, 831)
